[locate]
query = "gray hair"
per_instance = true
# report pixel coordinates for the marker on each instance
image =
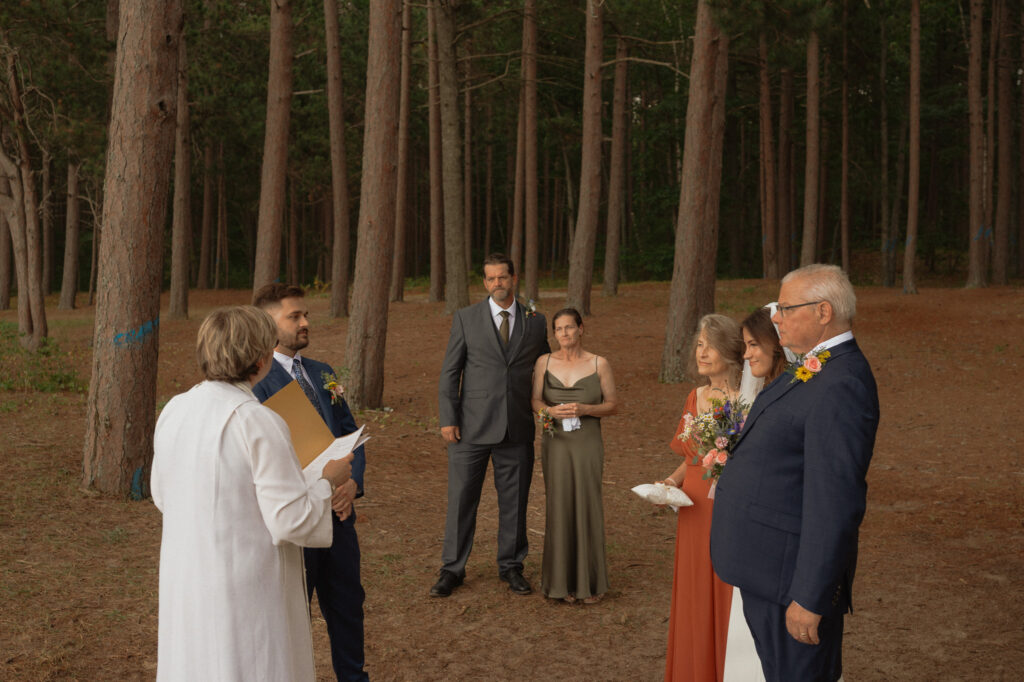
(828, 283)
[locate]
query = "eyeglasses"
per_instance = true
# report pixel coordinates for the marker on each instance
(783, 309)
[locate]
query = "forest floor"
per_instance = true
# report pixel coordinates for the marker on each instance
(940, 581)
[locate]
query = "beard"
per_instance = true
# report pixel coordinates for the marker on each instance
(297, 342)
(500, 295)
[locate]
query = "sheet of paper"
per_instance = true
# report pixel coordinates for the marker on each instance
(310, 435)
(336, 450)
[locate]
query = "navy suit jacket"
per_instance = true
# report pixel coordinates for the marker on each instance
(338, 417)
(484, 387)
(789, 504)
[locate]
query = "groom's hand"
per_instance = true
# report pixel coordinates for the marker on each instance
(802, 624)
(451, 434)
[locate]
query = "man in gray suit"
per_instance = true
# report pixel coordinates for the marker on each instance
(484, 399)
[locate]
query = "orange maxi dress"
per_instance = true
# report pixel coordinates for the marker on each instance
(699, 623)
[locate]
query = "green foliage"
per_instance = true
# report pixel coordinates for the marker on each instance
(46, 370)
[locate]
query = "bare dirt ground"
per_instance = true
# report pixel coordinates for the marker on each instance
(940, 583)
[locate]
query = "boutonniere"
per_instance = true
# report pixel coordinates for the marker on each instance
(547, 422)
(529, 308)
(334, 387)
(807, 366)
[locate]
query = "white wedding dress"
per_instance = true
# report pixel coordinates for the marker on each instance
(741, 661)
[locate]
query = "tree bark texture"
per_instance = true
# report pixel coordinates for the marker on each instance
(844, 163)
(467, 171)
(914, 171)
(769, 218)
(72, 221)
(1004, 187)
(181, 225)
(785, 204)
(808, 245)
(46, 213)
(531, 215)
(976, 155)
(6, 263)
(456, 282)
(692, 293)
(515, 248)
(616, 171)
(581, 258)
(367, 329)
(437, 260)
(206, 231)
(887, 246)
(121, 413)
(402, 181)
(341, 246)
(275, 146)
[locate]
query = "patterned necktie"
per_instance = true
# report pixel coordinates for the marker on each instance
(503, 329)
(304, 385)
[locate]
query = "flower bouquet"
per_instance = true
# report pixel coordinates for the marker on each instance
(547, 422)
(714, 433)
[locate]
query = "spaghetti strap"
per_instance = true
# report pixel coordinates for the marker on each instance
(547, 362)
(595, 362)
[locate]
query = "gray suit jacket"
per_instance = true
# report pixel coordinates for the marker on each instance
(484, 388)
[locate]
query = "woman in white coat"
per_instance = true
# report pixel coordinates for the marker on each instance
(236, 511)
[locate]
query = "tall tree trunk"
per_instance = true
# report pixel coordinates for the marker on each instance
(69, 281)
(222, 224)
(581, 259)
(467, 172)
(914, 180)
(808, 245)
(897, 202)
(13, 207)
(531, 215)
(995, 28)
(1001, 225)
(976, 145)
(692, 293)
(121, 410)
(844, 183)
(402, 181)
(206, 231)
(489, 198)
(367, 329)
(292, 258)
(515, 249)
(456, 281)
(437, 260)
(341, 244)
(785, 203)
(616, 171)
(275, 146)
(1020, 174)
(94, 256)
(769, 218)
(6, 263)
(886, 244)
(181, 226)
(46, 211)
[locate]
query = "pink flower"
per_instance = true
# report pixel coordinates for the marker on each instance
(812, 364)
(709, 460)
(722, 457)
(721, 442)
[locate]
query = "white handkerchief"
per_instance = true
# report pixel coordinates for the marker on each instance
(571, 424)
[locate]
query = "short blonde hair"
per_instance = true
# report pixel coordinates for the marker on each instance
(231, 341)
(725, 336)
(828, 283)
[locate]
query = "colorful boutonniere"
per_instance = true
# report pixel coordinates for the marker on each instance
(334, 387)
(547, 422)
(530, 308)
(808, 365)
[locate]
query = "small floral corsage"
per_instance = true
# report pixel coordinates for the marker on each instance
(547, 422)
(807, 366)
(334, 387)
(530, 308)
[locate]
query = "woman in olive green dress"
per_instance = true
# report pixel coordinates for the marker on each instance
(576, 389)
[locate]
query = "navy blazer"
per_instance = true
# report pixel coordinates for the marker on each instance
(789, 503)
(338, 417)
(484, 387)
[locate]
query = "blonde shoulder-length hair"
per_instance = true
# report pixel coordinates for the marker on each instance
(231, 341)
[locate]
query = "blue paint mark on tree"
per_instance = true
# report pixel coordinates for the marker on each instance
(134, 336)
(138, 491)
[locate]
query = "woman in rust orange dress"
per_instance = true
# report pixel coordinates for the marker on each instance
(699, 624)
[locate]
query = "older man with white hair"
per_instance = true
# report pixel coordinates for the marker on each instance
(789, 504)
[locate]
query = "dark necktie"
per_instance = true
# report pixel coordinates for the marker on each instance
(503, 329)
(304, 385)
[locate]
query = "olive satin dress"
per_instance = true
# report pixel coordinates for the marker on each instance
(573, 463)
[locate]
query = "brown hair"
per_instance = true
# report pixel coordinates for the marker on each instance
(271, 294)
(759, 324)
(231, 341)
(501, 259)
(724, 335)
(567, 312)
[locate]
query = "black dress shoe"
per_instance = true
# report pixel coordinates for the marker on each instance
(516, 582)
(445, 584)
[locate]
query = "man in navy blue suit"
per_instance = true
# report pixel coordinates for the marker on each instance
(789, 504)
(333, 571)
